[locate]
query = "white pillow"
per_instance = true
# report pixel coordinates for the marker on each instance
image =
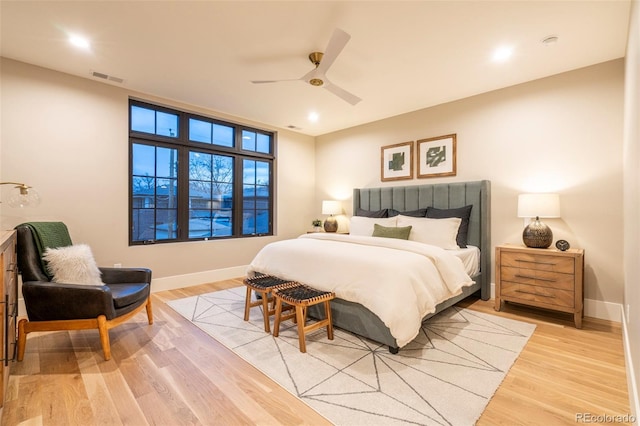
(73, 265)
(437, 232)
(361, 225)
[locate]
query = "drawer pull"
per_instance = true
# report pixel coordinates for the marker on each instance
(551, 280)
(539, 263)
(536, 294)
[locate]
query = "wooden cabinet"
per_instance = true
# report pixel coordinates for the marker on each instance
(8, 306)
(544, 278)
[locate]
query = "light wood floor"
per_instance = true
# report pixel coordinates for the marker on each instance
(171, 373)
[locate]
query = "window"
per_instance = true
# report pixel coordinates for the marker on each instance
(195, 177)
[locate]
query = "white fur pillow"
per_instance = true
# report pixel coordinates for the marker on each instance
(73, 265)
(361, 225)
(437, 232)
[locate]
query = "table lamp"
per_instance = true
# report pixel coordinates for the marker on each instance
(331, 207)
(536, 234)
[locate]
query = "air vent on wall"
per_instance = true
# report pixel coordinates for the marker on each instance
(107, 77)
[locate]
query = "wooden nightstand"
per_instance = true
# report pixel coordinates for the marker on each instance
(544, 278)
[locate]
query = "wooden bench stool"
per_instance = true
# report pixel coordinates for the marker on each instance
(264, 285)
(301, 297)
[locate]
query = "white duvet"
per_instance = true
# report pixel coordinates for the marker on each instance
(400, 281)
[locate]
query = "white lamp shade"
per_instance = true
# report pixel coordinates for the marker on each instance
(538, 205)
(331, 207)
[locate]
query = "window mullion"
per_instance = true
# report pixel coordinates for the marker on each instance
(237, 196)
(183, 194)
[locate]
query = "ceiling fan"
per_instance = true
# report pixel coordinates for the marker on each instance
(323, 61)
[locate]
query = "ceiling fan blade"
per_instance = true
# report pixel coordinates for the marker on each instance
(340, 92)
(312, 74)
(272, 81)
(338, 41)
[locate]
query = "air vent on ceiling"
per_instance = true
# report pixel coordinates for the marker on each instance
(107, 77)
(292, 127)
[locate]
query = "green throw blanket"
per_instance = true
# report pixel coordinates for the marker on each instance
(49, 235)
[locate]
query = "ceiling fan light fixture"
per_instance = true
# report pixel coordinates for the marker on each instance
(316, 82)
(315, 58)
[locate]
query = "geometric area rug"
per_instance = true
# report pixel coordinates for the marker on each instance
(446, 376)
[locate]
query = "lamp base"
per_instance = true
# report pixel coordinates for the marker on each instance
(331, 224)
(537, 235)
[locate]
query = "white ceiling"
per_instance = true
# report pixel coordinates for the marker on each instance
(402, 56)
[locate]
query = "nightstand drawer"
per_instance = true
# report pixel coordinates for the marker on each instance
(564, 265)
(530, 293)
(538, 277)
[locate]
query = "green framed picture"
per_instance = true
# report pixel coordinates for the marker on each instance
(437, 156)
(396, 161)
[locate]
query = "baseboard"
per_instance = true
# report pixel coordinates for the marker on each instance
(602, 310)
(592, 308)
(187, 280)
(632, 385)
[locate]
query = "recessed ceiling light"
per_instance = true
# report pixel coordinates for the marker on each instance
(503, 53)
(79, 41)
(313, 117)
(550, 40)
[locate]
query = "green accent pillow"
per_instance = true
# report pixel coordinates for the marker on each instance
(400, 232)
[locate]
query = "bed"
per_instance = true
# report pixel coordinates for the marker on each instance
(355, 317)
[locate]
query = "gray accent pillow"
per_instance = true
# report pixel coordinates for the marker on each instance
(372, 213)
(399, 232)
(462, 212)
(412, 213)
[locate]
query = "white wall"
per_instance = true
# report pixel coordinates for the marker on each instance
(561, 134)
(632, 204)
(68, 137)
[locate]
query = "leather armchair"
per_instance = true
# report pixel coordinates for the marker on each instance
(59, 306)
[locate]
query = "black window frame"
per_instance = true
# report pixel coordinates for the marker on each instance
(184, 147)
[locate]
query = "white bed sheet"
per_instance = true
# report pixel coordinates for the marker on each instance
(399, 281)
(470, 257)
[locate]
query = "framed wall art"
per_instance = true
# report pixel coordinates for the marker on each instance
(396, 162)
(437, 156)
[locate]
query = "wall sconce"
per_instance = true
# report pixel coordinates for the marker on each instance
(536, 234)
(331, 207)
(25, 197)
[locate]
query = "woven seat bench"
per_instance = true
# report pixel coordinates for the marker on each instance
(301, 297)
(264, 285)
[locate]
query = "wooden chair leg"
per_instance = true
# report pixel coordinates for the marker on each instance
(149, 311)
(300, 318)
(247, 304)
(265, 311)
(22, 338)
(276, 323)
(104, 337)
